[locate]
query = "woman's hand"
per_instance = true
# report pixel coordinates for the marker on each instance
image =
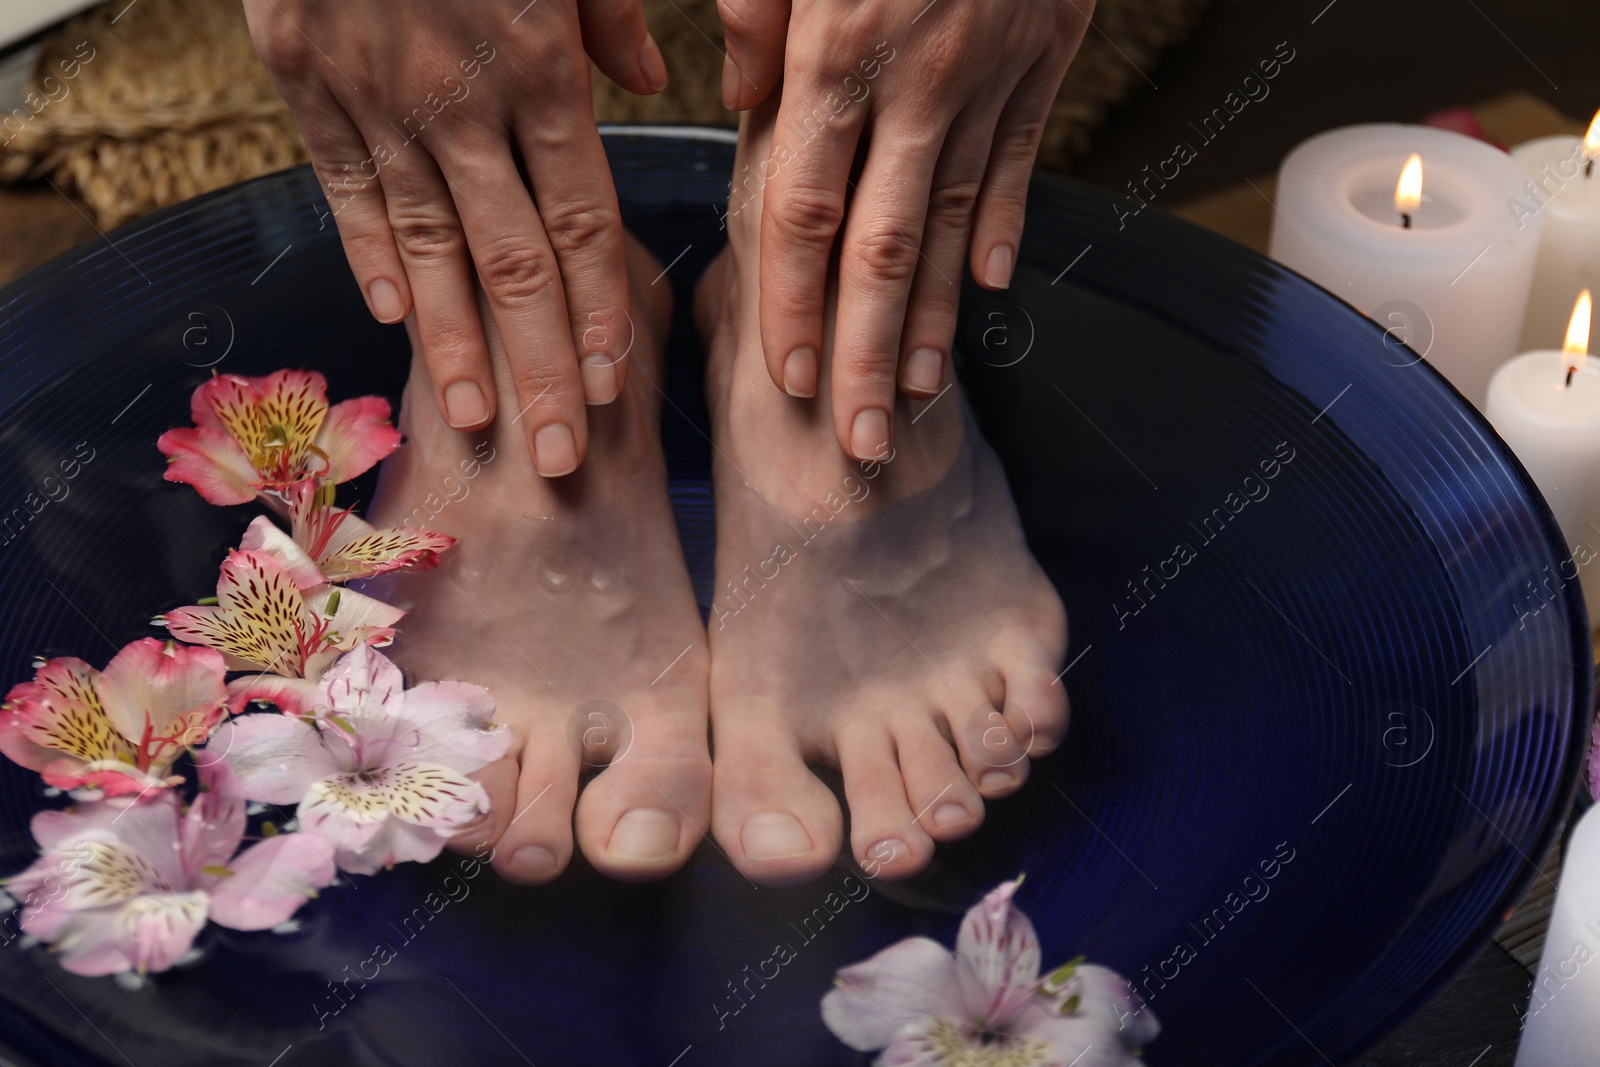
(950, 98)
(426, 123)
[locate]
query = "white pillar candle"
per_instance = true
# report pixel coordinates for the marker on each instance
(1562, 1025)
(1563, 185)
(1547, 407)
(1458, 255)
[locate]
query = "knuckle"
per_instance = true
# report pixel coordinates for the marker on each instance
(421, 235)
(542, 385)
(575, 226)
(283, 51)
(809, 216)
(1021, 139)
(887, 255)
(512, 272)
(954, 202)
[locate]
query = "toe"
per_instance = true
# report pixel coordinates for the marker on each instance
(884, 834)
(499, 780)
(643, 816)
(537, 842)
(945, 802)
(777, 823)
(994, 759)
(1036, 705)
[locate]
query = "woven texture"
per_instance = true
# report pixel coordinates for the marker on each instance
(174, 103)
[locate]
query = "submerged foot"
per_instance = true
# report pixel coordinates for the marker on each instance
(884, 618)
(569, 599)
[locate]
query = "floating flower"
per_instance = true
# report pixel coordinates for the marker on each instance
(332, 544)
(126, 886)
(255, 434)
(378, 770)
(116, 730)
(985, 1005)
(264, 621)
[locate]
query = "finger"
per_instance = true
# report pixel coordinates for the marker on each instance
(433, 249)
(578, 207)
(1002, 202)
(754, 31)
(936, 291)
(878, 258)
(516, 268)
(802, 207)
(618, 40)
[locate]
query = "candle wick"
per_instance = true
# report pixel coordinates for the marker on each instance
(1570, 372)
(1588, 168)
(1405, 220)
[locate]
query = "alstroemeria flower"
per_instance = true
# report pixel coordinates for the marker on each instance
(986, 1006)
(126, 886)
(254, 434)
(116, 730)
(332, 544)
(378, 770)
(264, 621)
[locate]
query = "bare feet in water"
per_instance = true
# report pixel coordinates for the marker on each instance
(884, 618)
(569, 599)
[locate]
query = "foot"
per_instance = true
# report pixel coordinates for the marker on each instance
(569, 599)
(883, 618)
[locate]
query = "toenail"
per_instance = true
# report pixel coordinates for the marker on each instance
(774, 835)
(800, 372)
(997, 273)
(869, 434)
(533, 860)
(464, 404)
(555, 453)
(994, 780)
(887, 851)
(925, 370)
(644, 834)
(949, 815)
(599, 378)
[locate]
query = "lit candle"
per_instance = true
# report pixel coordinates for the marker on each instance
(1547, 407)
(1440, 237)
(1562, 1026)
(1564, 187)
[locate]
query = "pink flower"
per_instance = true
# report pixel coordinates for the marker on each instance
(332, 544)
(265, 621)
(985, 1005)
(116, 730)
(126, 885)
(378, 770)
(253, 434)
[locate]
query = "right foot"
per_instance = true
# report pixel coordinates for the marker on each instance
(567, 598)
(886, 618)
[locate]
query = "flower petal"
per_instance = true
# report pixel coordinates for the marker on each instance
(212, 462)
(394, 842)
(271, 880)
(421, 794)
(178, 687)
(999, 955)
(358, 551)
(259, 618)
(293, 409)
(87, 943)
(363, 685)
(264, 536)
(872, 1000)
(1083, 1041)
(356, 434)
(452, 720)
(60, 710)
(155, 930)
(1101, 996)
(275, 758)
(292, 696)
(360, 620)
(111, 778)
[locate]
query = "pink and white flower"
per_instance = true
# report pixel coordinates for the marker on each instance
(378, 770)
(332, 544)
(116, 730)
(985, 1005)
(265, 621)
(126, 885)
(255, 434)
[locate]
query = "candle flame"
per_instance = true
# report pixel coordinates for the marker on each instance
(1591, 140)
(1577, 343)
(1408, 193)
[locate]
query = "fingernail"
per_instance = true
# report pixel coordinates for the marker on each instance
(925, 370)
(800, 372)
(555, 453)
(644, 834)
(464, 404)
(949, 815)
(533, 860)
(774, 835)
(994, 780)
(599, 378)
(730, 84)
(869, 434)
(652, 65)
(997, 275)
(385, 300)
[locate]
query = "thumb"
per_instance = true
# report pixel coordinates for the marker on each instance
(755, 31)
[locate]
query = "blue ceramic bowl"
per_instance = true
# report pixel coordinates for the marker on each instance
(1329, 687)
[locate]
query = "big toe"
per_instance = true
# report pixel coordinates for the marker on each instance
(775, 821)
